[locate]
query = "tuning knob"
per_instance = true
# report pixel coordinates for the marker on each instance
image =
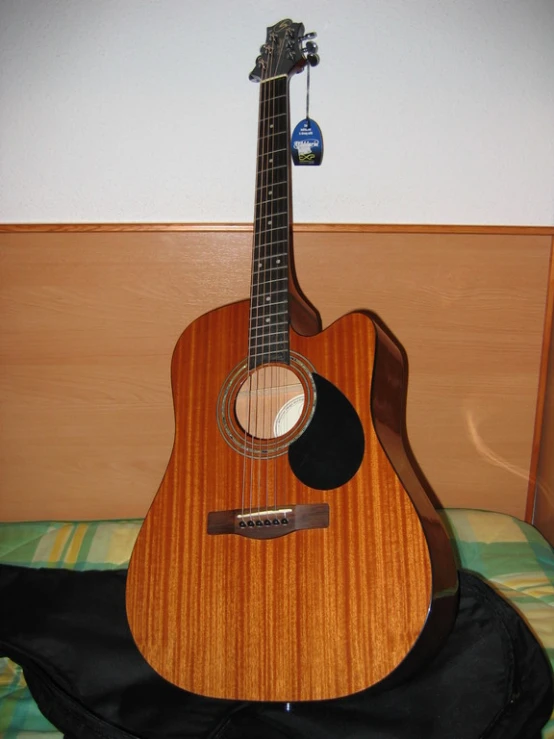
(313, 60)
(310, 47)
(308, 36)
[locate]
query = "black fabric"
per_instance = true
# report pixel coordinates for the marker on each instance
(69, 632)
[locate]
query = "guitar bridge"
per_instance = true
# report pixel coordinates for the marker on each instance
(269, 523)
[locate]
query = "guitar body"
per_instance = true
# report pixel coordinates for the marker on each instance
(313, 613)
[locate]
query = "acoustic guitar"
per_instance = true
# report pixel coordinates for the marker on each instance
(292, 552)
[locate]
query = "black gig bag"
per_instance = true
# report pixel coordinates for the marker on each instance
(68, 630)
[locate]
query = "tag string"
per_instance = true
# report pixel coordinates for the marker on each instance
(308, 95)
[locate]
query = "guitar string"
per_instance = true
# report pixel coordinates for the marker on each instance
(275, 311)
(260, 297)
(283, 268)
(265, 397)
(253, 310)
(259, 316)
(266, 240)
(276, 371)
(273, 371)
(266, 353)
(260, 352)
(282, 400)
(265, 332)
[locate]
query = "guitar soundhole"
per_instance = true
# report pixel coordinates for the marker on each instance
(261, 412)
(270, 402)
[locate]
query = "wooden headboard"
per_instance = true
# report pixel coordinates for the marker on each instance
(90, 315)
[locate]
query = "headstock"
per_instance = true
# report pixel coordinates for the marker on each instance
(286, 51)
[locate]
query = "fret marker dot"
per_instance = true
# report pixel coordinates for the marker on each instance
(267, 320)
(269, 223)
(268, 298)
(278, 261)
(270, 192)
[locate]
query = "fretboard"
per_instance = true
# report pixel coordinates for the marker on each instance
(269, 308)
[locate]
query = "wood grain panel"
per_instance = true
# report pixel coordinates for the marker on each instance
(541, 495)
(89, 322)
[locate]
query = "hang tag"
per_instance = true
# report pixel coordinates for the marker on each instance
(307, 143)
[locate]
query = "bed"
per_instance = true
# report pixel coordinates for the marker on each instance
(510, 554)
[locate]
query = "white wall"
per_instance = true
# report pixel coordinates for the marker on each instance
(433, 111)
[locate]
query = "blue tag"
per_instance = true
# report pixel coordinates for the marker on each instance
(307, 143)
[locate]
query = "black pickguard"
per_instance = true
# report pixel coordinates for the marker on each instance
(331, 449)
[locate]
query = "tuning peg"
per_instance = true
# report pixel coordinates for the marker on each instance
(308, 36)
(310, 47)
(313, 60)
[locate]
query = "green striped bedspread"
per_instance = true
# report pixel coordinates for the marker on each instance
(510, 554)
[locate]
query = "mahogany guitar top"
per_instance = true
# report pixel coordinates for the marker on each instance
(318, 613)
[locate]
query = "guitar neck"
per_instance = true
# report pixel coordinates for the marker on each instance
(269, 297)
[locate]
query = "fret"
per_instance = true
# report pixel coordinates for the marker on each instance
(256, 338)
(266, 295)
(273, 216)
(272, 243)
(270, 282)
(269, 353)
(276, 302)
(275, 268)
(260, 332)
(267, 343)
(271, 152)
(277, 114)
(274, 200)
(263, 309)
(262, 327)
(275, 193)
(265, 237)
(261, 341)
(273, 349)
(275, 185)
(258, 285)
(273, 255)
(258, 308)
(257, 322)
(272, 134)
(258, 273)
(262, 316)
(273, 229)
(273, 292)
(272, 168)
(272, 184)
(272, 273)
(257, 316)
(262, 266)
